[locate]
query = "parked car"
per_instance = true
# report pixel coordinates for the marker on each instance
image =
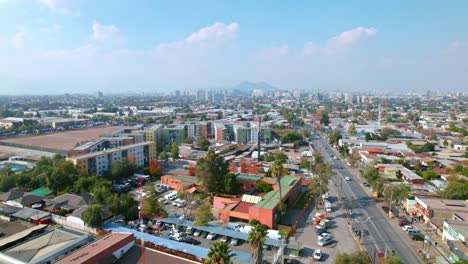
(324, 242)
(412, 231)
(197, 233)
(365, 184)
(406, 227)
(211, 236)
(190, 230)
(234, 241)
(190, 240)
(321, 231)
(417, 237)
(347, 178)
(181, 203)
(403, 222)
(318, 254)
(323, 236)
(204, 234)
(224, 239)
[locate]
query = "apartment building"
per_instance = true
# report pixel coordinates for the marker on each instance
(97, 163)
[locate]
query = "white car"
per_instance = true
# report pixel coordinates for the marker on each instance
(406, 227)
(234, 241)
(318, 254)
(347, 178)
(211, 236)
(197, 233)
(324, 236)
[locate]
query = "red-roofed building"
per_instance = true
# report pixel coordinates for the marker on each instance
(112, 246)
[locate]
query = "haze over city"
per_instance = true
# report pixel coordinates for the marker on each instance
(69, 46)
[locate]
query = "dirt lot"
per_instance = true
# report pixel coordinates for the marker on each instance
(62, 141)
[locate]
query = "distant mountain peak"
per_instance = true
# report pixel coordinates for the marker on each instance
(250, 86)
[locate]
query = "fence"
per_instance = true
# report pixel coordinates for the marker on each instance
(301, 215)
(61, 220)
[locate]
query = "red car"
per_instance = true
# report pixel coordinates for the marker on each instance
(403, 222)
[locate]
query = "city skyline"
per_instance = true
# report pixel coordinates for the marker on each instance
(50, 46)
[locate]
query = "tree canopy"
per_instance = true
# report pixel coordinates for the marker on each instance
(214, 172)
(292, 137)
(203, 144)
(92, 215)
(219, 253)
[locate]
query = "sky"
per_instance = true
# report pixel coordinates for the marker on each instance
(120, 46)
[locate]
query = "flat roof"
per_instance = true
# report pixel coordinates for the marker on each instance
(45, 245)
(134, 256)
(217, 230)
(98, 153)
(272, 199)
(188, 179)
(107, 242)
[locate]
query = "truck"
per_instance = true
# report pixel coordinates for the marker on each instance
(328, 206)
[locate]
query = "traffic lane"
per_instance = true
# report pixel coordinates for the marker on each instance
(380, 231)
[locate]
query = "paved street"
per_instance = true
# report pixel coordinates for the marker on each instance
(379, 235)
(340, 230)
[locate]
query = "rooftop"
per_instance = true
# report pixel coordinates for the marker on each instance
(271, 199)
(113, 241)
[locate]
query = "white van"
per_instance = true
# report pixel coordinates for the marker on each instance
(171, 196)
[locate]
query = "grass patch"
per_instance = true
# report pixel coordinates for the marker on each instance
(302, 201)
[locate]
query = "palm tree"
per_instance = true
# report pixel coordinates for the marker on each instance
(278, 171)
(257, 237)
(220, 253)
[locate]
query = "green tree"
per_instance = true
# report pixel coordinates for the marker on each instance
(456, 190)
(257, 237)
(213, 171)
(325, 119)
(152, 207)
(92, 215)
(277, 172)
(386, 132)
(292, 137)
(263, 187)
(62, 176)
(121, 169)
(352, 130)
(219, 253)
(174, 151)
(396, 192)
(203, 215)
(231, 185)
(334, 137)
(429, 175)
(372, 176)
(203, 144)
(100, 193)
(358, 257)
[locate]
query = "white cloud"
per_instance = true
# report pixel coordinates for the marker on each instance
(55, 28)
(352, 37)
(17, 41)
(106, 33)
(216, 32)
(340, 42)
(54, 6)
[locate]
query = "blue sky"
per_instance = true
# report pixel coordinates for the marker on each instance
(63, 46)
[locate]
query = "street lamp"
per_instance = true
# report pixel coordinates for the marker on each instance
(362, 228)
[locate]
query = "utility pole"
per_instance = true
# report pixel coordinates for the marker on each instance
(390, 205)
(259, 134)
